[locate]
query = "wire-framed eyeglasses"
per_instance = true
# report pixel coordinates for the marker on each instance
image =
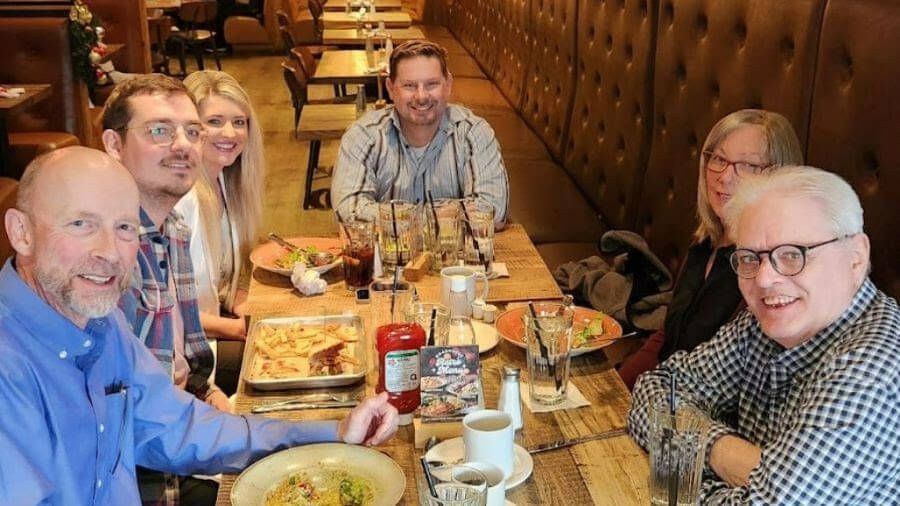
(786, 259)
(718, 163)
(163, 133)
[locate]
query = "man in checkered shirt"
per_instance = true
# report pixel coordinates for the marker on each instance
(803, 388)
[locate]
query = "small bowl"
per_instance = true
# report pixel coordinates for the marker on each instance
(321, 258)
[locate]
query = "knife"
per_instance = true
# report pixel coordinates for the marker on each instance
(290, 406)
(564, 443)
(284, 244)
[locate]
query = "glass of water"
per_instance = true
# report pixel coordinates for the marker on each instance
(478, 222)
(434, 318)
(457, 485)
(396, 226)
(442, 233)
(677, 450)
(548, 338)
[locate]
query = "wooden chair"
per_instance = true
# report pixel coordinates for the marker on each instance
(304, 58)
(200, 17)
(160, 30)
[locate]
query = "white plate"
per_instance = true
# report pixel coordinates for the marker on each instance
(486, 335)
(264, 255)
(454, 450)
(380, 470)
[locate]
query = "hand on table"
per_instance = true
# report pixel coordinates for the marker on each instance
(219, 400)
(372, 422)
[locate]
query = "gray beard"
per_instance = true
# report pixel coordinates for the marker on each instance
(58, 287)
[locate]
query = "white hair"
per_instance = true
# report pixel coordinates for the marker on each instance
(837, 198)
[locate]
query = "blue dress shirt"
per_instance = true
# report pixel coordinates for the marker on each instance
(80, 408)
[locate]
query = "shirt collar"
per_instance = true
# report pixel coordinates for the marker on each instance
(48, 326)
(445, 126)
(173, 225)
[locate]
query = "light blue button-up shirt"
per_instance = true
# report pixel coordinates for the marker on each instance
(79, 408)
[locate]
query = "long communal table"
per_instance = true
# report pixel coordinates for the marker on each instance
(392, 19)
(607, 472)
(353, 38)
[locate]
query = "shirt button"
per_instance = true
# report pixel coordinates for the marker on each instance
(87, 343)
(163, 264)
(63, 354)
(99, 483)
(102, 428)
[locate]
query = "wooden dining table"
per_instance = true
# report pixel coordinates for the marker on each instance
(611, 471)
(162, 4)
(350, 37)
(347, 66)
(34, 93)
(380, 5)
(392, 19)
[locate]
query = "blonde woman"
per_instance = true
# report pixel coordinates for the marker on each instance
(223, 210)
(706, 294)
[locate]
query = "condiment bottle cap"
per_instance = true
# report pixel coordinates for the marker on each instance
(511, 371)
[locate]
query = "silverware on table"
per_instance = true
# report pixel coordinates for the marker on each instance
(284, 244)
(292, 406)
(565, 443)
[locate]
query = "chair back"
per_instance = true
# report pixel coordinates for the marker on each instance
(296, 83)
(283, 20)
(315, 8)
(200, 13)
(160, 29)
(304, 57)
(287, 37)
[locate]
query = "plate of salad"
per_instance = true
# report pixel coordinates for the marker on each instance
(591, 329)
(318, 253)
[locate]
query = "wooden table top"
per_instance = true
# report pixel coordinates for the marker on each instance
(111, 50)
(345, 66)
(33, 93)
(392, 19)
(611, 471)
(341, 5)
(350, 37)
(163, 4)
(325, 121)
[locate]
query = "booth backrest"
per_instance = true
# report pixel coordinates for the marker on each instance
(36, 50)
(126, 23)
(623, 93)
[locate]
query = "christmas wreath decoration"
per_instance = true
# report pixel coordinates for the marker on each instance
(86, 41)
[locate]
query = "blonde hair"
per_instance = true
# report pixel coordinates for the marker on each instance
(782, 148)
(243, 179)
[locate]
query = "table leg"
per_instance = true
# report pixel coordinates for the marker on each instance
(6, 168)
(311, 165)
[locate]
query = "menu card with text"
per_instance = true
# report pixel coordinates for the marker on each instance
(450, 384)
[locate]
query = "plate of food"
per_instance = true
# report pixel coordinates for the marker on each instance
(305, 352)
(591, 329)
(432, 383)
(322, 474)
(441, 405)
(466, 387)
(318, 253)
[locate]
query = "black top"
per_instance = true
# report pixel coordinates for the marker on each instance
(700, 304)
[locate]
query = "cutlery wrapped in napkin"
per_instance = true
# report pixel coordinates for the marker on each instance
(307, 281)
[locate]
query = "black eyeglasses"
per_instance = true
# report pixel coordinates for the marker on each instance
(786, 259)
(718, 163)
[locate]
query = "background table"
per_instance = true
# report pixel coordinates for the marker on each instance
(348, 66)
(391, 19)
(386, 5)
(33, 93)
(350, 37)
(611, 471)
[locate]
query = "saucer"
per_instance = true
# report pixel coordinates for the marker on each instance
(486, 335)
(454, 451)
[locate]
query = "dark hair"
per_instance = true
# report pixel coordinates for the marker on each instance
(413, 48)
(117, 112)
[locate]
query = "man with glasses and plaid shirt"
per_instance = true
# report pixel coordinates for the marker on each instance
(802, 388)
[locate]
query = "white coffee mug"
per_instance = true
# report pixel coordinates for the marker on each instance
(496, 493)
(470, 276)
(488, 436)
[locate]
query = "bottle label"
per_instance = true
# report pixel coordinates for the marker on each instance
(401, 370)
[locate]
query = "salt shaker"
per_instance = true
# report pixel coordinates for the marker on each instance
(509, 401)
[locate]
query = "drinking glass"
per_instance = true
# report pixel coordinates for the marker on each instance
(548, 337)
(389, 306)
(442, 233)
(358, 242)
(421, 313)
(460, 332)
(677, 450)
(396, 226)
(456, 485)
(478, 220)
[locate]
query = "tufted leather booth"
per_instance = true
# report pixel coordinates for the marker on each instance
(62, 118)
(621, 94)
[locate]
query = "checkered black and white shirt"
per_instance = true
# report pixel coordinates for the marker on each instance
(826, 414)
(376, 164)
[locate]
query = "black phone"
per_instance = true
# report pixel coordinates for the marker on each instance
(362, 296)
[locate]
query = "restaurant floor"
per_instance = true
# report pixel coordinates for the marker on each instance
(260, 74)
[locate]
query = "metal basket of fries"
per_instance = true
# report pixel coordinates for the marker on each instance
(305, 352)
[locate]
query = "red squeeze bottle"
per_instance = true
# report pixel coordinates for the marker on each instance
(398, 362)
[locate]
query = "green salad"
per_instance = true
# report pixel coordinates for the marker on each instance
(592, 330)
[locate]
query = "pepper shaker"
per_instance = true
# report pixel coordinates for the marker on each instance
(509, 401)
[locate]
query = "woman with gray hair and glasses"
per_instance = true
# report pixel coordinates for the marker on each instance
(706, 294)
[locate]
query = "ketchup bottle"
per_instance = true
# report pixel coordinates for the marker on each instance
(398, 363)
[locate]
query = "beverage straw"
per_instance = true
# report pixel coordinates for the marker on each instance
(428, 478)
(544, 352)
(673, 471)
(394, 293)
(437, 225)
(343, 227)
(472, 234)
(397, 256)
(431, 330)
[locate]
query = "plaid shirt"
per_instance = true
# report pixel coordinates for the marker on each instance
(148, 307)
(375, 163)
(826, 413)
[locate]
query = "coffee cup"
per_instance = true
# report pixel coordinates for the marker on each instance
(488, 436)
(469, 277)
(496, 492)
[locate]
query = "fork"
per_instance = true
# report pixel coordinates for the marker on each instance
(318, 397)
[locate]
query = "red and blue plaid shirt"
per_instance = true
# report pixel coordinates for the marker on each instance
(148, 304)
